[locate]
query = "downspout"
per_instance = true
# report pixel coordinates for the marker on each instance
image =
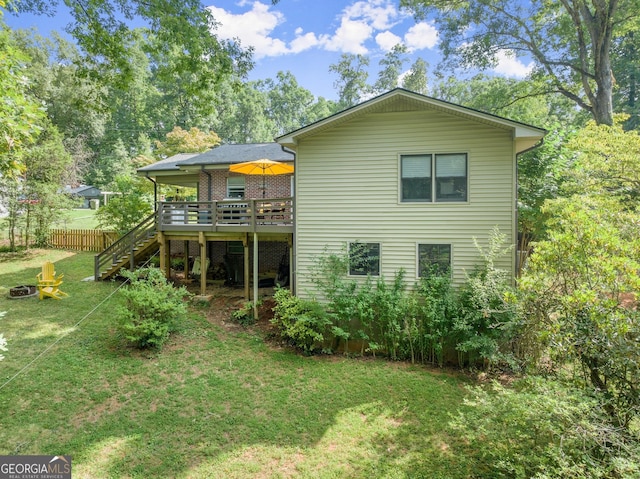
(155, 191)
(209, 183)
(293, 279)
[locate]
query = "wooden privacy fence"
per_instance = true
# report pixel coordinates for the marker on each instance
(82, 240)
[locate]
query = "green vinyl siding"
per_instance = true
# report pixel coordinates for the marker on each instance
(348, 188)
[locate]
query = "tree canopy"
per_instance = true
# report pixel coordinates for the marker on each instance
(571, 41)
(183, 141)
(103, 30)
(20, 113)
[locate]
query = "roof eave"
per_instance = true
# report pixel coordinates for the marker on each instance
(290, 140)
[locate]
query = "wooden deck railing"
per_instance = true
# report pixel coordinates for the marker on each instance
(250, 215)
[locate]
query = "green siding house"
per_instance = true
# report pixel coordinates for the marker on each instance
(408, 180)
(405, 180)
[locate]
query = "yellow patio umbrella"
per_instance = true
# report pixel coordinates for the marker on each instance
(262, 167)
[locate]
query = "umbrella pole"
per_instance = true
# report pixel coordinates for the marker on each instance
(255, 276)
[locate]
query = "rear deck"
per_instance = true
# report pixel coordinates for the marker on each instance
(268, 215)
(247, 220)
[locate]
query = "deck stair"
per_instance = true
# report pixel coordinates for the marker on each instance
(132, 248)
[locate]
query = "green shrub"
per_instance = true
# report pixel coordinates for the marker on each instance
(429, 323)
(301, 323)
(487, 320)
(579, 295)
(244, 316)
(543, 429)
(177, 264)
(438, 310)
(152, 308)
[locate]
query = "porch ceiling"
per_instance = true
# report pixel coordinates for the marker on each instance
(175, 178)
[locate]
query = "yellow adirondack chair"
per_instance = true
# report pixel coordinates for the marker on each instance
(48, 274)
(49, 283)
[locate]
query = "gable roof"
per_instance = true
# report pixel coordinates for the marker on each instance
(525, 136)
(182, 169)
(238, 153)
(168, 164)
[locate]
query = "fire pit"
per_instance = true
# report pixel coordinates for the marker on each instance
(23, 291)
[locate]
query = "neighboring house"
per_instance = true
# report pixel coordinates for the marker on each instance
(411, 179)
(407, 179)
(85, 193)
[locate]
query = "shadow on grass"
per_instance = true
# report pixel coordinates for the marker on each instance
(217, 403)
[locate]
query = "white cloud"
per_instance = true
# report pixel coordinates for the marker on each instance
(420, 36)
(509, 65)
(357, 24)
(380, 14)
(303, 42)
(252, 28)
(387, 40)
(349, 37)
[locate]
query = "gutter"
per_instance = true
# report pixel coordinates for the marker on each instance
(293, 279)
(209, 182)
(155, 191)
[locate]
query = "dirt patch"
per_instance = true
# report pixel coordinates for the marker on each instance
(222, 307)
(226, 300)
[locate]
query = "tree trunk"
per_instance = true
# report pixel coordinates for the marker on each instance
(603, 105)
(600, 26)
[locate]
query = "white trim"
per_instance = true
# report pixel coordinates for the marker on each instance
(524, 135)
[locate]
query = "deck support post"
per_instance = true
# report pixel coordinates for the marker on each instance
(245, 243)
(185, 252)
(255, 276)
(203, 263)
(164, 254)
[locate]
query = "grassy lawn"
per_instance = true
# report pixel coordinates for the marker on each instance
(217, 401)
(79, 219)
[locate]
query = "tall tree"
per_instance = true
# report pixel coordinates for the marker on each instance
(242, 114)
(183, 141)
(570, 40)
(288, 102)
(352, 82)
(20, 113)
(626, 64)
(391, 68)
(416, 79)
(102, 30)
(41, 185)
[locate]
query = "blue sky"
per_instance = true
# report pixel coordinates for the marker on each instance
(306, 36)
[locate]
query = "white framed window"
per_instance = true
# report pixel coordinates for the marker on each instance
(364, 259)
(439, 177)
(415, 171)
(235, 187)
(434, 259)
